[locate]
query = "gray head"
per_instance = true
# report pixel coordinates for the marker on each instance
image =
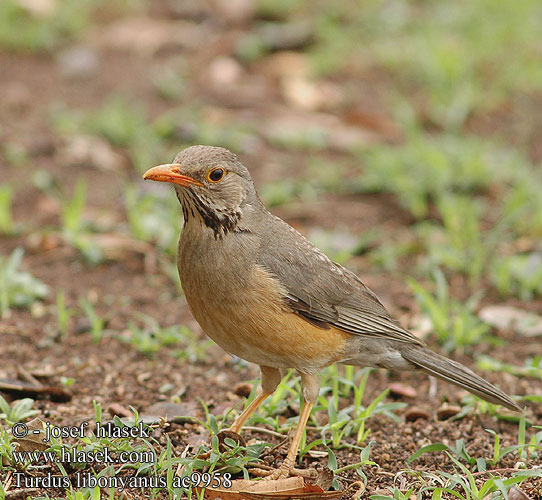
(213, 186)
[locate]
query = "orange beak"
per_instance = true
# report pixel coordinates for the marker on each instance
(170, 173)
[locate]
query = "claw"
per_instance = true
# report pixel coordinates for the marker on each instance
(282, 472)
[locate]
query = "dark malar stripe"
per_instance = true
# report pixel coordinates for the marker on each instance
(220, 223)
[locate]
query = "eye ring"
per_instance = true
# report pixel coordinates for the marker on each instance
(216, 174)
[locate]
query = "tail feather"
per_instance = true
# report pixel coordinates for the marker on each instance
(457, 374)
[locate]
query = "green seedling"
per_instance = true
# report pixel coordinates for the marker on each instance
(327, 175)
(530, 450)
(357, 466)
(459, 244)
(67, 381)
(151, 337)
(75, 229)
(18, 411)
(18, 288)
(233, 460)
(352, 419)
(387, 254)
(522, 207)
(310, 139)
(119, 120)
(24, 30)
(63, 314)
(97, 407)
(426, 168)
(44, 27)
(454, 322)
(321, 176)
(97, 322)
(436, 50)
(531, 368)
(6, 450)
(153, 218)
(518, 275)
(285, 191)
(230, 134)
(123, 124)
(191, 348)
(397, 495)
(465, 481)
(7, 225)
(72, 211)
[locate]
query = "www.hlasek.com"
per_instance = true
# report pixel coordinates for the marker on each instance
(71, 454)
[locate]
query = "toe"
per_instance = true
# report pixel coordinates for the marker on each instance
(281, 473)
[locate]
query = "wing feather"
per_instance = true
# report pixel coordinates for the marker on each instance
(324, 292)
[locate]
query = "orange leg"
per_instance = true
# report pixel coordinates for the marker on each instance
(289, 462)
(311, 387)
(270, 379)
(248, 411)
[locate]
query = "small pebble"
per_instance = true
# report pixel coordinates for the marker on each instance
(77, 63)
(224, 71)
(43, 242)
(514, 493)
(41, 145)
(82, 325)
(243, 389)
(16, 96)
(416, 413)
(447, 411)
(403, 390)
(116, 409)
(92, 151)
(196, 440)
(174, 412)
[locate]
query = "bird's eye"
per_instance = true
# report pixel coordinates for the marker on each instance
(216, 174)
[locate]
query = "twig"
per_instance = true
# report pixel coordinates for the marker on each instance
(504, 470)
(23, 373)
(181, 467)
(262, 470)
(21, 493)
(261, 429)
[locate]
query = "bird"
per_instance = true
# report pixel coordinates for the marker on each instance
(264, 293)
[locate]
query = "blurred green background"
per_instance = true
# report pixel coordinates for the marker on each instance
(437, 104)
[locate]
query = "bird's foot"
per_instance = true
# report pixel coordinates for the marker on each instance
(265, 472)
(282, 472)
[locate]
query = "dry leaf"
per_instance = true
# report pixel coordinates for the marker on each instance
(35, 438)
(403, 390)
(281, 489)
(505, 317)
(242, 486)
(285, 126)
(517, 494)
(144, 36)
(57, 394)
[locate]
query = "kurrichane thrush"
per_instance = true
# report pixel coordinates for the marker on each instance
(263, 292)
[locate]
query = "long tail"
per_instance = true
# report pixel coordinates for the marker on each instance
(455, 373)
